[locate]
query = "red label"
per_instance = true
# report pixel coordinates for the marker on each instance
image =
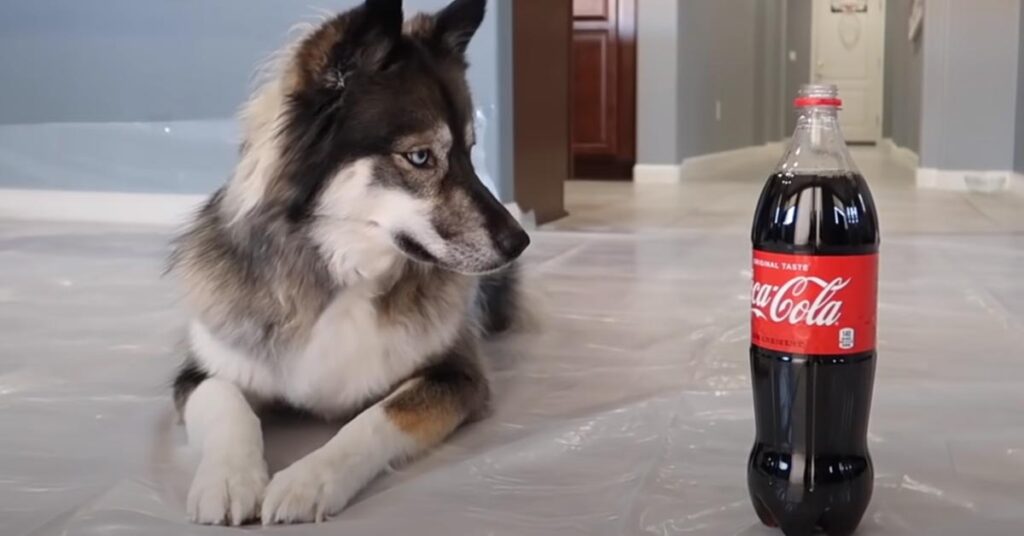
(804, 304)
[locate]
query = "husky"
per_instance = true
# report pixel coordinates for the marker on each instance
(348, 269)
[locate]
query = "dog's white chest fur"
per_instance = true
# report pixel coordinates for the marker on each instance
(351, 355)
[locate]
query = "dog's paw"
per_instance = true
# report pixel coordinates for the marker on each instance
(309, 490)
(227, 491)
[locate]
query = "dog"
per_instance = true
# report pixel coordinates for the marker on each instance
(348, 269)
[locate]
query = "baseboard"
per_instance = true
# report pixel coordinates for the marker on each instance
(1017, 183)
(671, 173)
(105, 207)
(902, 155)
(656, 173)
(967, 180)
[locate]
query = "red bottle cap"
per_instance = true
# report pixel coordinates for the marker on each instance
(802, 102)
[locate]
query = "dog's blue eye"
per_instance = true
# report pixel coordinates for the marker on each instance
(420, 159)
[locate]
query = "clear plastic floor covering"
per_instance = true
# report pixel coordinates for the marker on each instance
(630, 413)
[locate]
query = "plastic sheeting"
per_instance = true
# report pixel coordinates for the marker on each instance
(629, 414)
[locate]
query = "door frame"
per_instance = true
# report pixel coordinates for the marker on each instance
(620, 166)
(541, 104)
(878, 86)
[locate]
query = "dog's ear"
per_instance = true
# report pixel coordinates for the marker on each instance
(455, 25)
(383, 19)
(372, 33)
(361, 39)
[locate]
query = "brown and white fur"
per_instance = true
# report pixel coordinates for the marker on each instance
(348, 269)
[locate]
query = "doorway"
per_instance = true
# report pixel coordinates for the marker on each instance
(604, 88)
(847, 49)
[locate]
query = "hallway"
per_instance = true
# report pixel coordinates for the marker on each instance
(720, 193)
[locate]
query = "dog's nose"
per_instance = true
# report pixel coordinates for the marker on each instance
(512, 243)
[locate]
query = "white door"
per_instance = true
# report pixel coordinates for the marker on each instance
(847, 47)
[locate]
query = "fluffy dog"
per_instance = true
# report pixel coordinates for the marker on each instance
(348, 269)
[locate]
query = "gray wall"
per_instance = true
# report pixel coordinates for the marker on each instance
(1019, 151)
(970, 84)
(798, 70)
(131, 60)
(692, 53)
(769, 73)
(500, 137)
(69, 61)
(657, 104)
(932, 85)
(904, 64)
(717, 57)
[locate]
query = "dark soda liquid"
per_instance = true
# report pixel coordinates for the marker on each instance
(810, 469)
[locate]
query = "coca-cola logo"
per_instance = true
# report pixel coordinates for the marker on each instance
(794, 303)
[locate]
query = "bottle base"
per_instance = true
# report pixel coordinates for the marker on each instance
(827, 523)
(765, 515)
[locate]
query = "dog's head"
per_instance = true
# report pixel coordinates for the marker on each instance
(375, 132)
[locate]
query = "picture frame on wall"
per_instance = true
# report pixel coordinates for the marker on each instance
(915, 20)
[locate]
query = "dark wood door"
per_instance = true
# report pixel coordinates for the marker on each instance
(541, 101)
(604, 88)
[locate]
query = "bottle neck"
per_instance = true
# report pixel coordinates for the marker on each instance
(817, 145)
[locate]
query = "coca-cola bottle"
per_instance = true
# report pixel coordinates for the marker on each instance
(812, 351)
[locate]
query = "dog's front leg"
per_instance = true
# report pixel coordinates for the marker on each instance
(421, 413)
(232, 474)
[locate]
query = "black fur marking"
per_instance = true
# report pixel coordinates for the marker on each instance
(189, 376)
(497, 219)
(246, 265)
(312, 141)
(414, 249)
(388, 13)
(459, 374)
(498, 300)
(325, 131)
(373, 31)
(453, 386)
(457, 23)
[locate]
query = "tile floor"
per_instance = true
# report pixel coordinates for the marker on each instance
(630, 413)
(721, 196)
